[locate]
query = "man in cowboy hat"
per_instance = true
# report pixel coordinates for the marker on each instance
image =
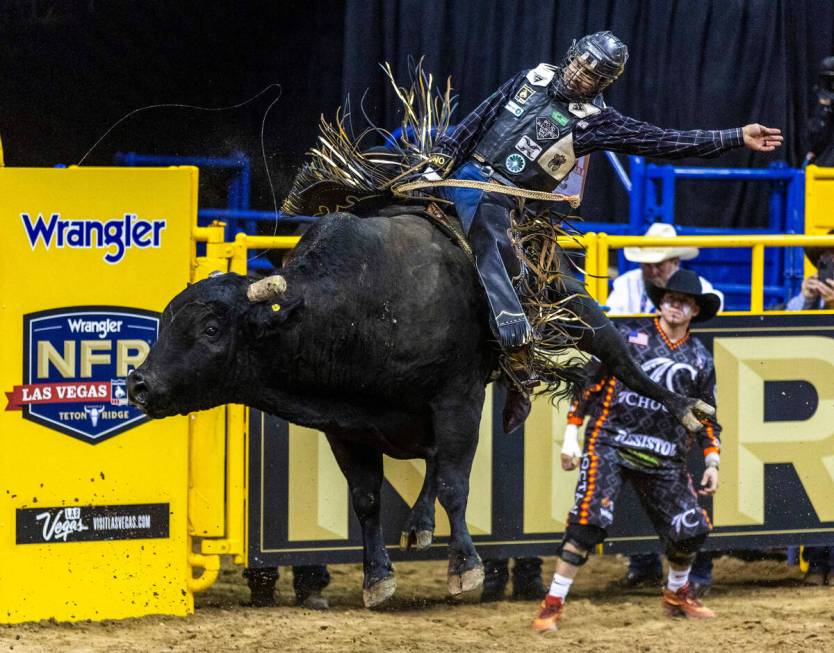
(657, 264)
(629, 296)
(817, 289)
(631, 437)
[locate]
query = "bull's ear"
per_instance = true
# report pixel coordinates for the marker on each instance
(265, 318)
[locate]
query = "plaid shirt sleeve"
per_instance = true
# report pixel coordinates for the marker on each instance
(610, 130)
(462, 141)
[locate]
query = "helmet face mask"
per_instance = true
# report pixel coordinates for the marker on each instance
(581, 79)
(591, 64)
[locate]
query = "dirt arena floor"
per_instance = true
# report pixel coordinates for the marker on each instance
(761, 606)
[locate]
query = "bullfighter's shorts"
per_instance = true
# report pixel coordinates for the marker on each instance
(666, 493)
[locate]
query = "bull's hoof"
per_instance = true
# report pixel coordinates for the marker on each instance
(467, 581)
(379, 592)
(418, 540)
(423, 540)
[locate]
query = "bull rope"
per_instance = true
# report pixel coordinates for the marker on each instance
(489, 186)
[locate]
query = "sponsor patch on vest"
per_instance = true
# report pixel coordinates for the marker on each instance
(515, 163)
(555, 162)
(75, 366)
(524, 94)
(559, 117)
(546, 130)
(541, 75)
(514, 109)
(558, 159)
(528, 147)
(581, 110)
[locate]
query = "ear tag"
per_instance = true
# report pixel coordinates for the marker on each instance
(276, 308)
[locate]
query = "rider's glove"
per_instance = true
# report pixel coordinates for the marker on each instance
(430, 174)
(439, 167)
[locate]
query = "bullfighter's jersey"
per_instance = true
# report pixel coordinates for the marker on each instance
(647, 435)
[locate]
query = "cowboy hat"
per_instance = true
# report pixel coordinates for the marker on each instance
(659, 254)
(686, 282)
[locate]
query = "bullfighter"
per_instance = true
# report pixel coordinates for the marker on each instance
(632, 438)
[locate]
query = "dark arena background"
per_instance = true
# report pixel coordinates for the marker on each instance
(86, 81)
(72, 68)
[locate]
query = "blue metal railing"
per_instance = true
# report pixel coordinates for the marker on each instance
(237, 215)
(652, 199)
(651, 191)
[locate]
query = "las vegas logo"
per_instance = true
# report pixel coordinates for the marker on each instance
(75, 366)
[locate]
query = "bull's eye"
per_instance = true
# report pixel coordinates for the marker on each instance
(211, 331)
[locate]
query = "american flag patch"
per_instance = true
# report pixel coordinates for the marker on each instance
(638, 338)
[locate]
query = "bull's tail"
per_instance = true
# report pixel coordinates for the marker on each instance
(548, 298)
(564, 381)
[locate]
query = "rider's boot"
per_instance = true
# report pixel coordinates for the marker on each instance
(497, 263)
(520, 381)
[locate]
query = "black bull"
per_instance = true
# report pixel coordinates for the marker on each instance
(380, 338)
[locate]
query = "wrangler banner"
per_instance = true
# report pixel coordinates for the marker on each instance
(775, 401)
(95, 494)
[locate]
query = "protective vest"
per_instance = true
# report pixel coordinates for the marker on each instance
(530, 142)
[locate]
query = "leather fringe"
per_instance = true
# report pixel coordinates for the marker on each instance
(552, 358)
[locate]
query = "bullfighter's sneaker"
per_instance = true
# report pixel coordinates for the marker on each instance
(550, 611)
(683, 603)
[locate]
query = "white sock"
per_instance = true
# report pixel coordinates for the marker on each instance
(560, 586)
(677, 579)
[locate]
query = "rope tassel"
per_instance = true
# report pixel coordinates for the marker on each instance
(358, 161)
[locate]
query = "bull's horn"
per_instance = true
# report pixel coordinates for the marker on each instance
(267, 288)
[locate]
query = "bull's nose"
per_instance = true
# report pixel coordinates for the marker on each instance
(137, 391)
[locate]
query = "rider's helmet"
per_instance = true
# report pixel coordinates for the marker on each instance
(591, 64)
(825, 77)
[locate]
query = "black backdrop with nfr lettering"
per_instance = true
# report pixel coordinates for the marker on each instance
(802, 344)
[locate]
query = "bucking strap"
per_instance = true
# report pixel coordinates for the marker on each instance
(451, 227)
(489, 187)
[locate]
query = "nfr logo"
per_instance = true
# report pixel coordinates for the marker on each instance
(76, 361)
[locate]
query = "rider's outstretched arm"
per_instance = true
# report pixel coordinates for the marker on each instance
(611, 130)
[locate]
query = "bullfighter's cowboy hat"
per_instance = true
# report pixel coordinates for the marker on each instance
(686, 282)
(659, 254)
